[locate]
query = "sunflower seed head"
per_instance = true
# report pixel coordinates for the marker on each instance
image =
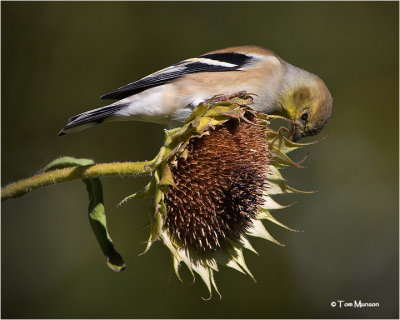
(219, 186)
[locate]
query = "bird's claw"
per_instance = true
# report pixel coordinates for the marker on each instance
(225, 97)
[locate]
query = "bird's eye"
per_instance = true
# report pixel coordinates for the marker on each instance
(304, 116)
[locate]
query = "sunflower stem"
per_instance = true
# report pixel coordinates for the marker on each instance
(122, 169)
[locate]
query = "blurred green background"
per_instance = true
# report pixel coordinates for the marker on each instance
(58, 58)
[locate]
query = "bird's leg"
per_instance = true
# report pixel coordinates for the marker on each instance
(241, 94)
(225, 97)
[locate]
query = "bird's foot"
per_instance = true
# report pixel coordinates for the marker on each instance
(225, 97)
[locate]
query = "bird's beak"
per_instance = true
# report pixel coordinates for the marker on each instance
(294, 133)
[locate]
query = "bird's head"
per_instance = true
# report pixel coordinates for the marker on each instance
(309, 106)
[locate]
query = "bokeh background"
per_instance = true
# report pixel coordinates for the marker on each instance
(59, 57)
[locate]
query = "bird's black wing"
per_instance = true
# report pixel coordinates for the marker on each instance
(217, 62)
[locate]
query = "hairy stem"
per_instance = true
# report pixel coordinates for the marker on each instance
(21, 187)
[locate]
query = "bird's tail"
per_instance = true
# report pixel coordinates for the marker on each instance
(90, 118)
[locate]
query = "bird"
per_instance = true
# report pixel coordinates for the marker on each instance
(168, 96)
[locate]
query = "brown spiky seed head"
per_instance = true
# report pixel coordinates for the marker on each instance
(219, 186)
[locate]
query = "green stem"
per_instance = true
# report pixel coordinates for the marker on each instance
(21, 187)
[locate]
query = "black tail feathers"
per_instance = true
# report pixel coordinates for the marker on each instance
(90, 118)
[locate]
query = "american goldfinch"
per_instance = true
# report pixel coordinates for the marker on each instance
(168, 96)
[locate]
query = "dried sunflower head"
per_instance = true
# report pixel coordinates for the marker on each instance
(212, 182)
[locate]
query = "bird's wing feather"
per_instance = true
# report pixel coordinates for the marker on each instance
(214, 62)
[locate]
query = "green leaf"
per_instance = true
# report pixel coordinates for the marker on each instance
(96, 210)
(65, 162)
(98, 222)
